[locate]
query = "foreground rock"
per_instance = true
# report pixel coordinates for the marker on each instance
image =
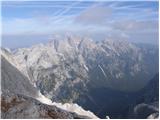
(143, 111)
(148, 103)
(23, 107)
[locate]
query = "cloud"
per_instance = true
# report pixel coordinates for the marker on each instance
(36, 25)
(37, 20)
(117, 20)
(94, 15)
(136, 26)
(120, 20)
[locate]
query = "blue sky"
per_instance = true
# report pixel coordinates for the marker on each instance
(28, 22)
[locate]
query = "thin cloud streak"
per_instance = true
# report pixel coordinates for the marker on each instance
(108, 19)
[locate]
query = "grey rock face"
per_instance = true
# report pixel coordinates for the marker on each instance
(65, 69)
(18, 97)
(69, 69)
(14, 81)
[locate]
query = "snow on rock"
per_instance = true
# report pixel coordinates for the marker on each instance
(75, 108)
(67, 106)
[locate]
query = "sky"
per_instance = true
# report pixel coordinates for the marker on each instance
(29, 22)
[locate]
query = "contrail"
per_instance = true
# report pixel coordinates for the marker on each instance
(66, 10)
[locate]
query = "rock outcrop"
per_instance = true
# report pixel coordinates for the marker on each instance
(15, 106)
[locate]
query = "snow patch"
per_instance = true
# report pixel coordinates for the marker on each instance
(67, 106)
(102, 70)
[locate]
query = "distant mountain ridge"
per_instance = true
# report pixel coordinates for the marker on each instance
(120, 60)
(66, 69)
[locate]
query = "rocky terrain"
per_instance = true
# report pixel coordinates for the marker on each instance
(100, 76)
(14, 106)
(20, 99)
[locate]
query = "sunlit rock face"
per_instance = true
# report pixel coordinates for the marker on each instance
(21, 100)
(63, 67)
(77, 70)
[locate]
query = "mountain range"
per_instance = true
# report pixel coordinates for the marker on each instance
(106, 77)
